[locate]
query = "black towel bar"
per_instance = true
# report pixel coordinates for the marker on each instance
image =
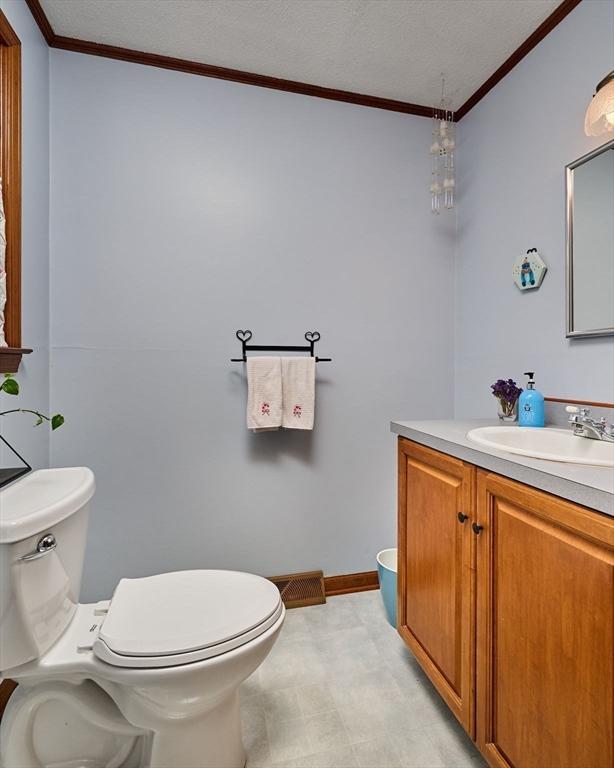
(310, 337)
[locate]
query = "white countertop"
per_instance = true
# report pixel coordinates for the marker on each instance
(587, 485)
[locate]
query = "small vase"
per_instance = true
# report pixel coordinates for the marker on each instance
(508, 412)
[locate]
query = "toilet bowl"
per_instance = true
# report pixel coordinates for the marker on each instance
(149, 678)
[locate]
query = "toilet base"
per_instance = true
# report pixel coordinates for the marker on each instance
(63, 724)
(213, 741)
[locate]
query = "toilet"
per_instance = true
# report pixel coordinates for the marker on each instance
(149, 678)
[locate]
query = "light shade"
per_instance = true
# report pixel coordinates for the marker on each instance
(600, 113)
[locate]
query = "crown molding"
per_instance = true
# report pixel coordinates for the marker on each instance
(293, 86)
(555, 18)
(40, 17)
(219, 73)
(236, 75)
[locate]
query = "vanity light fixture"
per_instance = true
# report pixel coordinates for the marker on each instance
(443, 146)
(600, 113)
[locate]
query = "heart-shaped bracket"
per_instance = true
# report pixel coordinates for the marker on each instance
(312, 336)
(244, 336)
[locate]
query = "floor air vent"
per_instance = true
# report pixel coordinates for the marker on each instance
(301, 589)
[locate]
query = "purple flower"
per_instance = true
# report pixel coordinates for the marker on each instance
(506, 391)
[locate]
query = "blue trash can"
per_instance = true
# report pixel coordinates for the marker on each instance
(387, 574)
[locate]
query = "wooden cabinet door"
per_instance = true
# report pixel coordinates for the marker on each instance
(545, 629)
(436, 575)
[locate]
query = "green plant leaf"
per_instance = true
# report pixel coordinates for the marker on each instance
(38, 421)
(56, 421)
(10, 386)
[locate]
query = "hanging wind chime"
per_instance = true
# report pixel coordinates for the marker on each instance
(442, 153)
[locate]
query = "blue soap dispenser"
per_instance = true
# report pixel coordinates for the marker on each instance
(531, 405)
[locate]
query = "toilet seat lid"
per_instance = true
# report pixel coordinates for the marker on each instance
(185, 611)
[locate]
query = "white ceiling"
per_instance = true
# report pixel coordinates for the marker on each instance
(394, 49)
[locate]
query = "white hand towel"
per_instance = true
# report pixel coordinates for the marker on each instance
(298, 375)
(263, 393)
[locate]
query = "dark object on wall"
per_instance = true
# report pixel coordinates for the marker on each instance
(10, 357)
(300, 589)
(7, 475)
(310, 337)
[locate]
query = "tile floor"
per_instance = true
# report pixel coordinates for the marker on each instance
(339, 690)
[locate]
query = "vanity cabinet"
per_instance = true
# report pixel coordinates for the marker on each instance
(525, 587)
(436, 572)
(545, 632)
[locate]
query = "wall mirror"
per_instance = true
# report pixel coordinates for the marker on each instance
(590, 244)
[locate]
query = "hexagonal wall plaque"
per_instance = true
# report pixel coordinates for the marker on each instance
(529, 270)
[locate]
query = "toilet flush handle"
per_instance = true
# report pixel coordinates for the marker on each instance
(45, 545)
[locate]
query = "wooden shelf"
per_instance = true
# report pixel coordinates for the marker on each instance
(10, 357)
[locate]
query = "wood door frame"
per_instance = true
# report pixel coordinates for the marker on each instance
(570, 518)
(10, 170)
(463, 706)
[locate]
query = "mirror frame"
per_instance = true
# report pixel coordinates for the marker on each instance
(571, 333)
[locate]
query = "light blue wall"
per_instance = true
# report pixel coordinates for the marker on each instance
(513, 148)
(34, 370)
(184, 208)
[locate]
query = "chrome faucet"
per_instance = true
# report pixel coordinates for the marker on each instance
(584, 426)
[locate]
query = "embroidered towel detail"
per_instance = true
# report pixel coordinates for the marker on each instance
(263, 393)
(298, 376)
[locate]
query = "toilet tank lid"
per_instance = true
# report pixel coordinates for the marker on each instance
(42, 499)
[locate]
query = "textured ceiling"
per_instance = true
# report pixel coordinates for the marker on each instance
(394, 49)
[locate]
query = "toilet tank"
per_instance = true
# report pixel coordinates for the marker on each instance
(43, 528)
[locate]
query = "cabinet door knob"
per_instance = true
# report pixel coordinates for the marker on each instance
(477, 528)
(462, 517)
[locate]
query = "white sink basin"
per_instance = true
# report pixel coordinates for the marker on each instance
(545, 443)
